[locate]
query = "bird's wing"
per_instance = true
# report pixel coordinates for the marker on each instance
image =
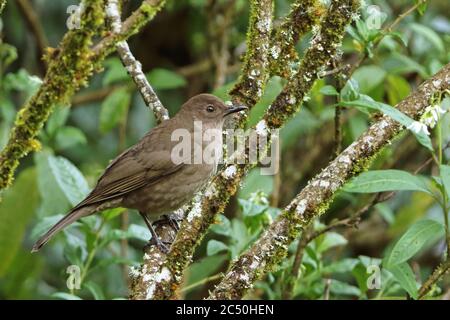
(131, 170)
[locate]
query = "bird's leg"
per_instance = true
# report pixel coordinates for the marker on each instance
(167, 219)
(155, 240)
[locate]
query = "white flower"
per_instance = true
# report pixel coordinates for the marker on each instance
(432, 114)
(418, 127)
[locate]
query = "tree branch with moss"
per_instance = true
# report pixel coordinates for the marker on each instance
(70, 67)
(314, 199)
(160, 274)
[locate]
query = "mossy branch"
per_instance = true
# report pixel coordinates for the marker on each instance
(133, 66)
(304, 15)
(138, 19)
(162, 283)
(67, 72)
(314, 199)
(160, 275)
(70, 67)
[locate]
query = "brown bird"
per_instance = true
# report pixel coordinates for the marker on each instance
(145, 177)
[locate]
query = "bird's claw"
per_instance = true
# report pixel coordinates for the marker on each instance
(166, 219)
(161, 245)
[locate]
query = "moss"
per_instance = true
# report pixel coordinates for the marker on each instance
(322, 50)
(131, 26)
(66, 73)
(70, 67)
(303, 16)
(254, 74)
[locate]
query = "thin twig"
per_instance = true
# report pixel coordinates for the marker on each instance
(134, 67)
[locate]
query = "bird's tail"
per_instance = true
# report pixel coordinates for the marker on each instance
(72, 216)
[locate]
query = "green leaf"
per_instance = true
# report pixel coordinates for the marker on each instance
(250, 208)
(222, 227)
(139, 232)
(329, 240)
(68, 137)
(386, 180)
(69, 179)
(429, 34)
(329, 90)
(65, 296)
(114, 109)
(115, 72)
(202, 269)
(367, 102)
(405, 277)
(214, 247)
(273, 88)
(112, 213)
(351, 90)
(162, 79)
(61, 184)
(22, 81)
(17, 207)
(256, 182)
(445, 176)
(341, 288)
(95, 289)
(397, 88)
(43, 225)
(386, 212)
(400, 63)
(420, 234)
(369, 77)
(57, 119)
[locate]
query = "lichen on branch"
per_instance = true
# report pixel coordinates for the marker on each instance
(139, 18)
(133, 66)
(67, 72)
(304, 15)
(315, 198)
(226, 182)
(323, 47)
(247, 91)
(70, 67)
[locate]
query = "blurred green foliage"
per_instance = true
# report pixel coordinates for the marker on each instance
(403, 236)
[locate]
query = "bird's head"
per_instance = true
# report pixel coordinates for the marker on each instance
(208, 108)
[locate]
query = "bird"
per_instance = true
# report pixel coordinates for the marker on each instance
(145, 177)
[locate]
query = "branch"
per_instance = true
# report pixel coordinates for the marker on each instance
(304, 15)
(67, 72)
(160, 274)
(434, 278)
(225, 183)
(315, 198)
(138, 19)
(133, 66)
(69, 68)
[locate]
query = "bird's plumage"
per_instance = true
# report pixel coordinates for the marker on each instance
(145, 177)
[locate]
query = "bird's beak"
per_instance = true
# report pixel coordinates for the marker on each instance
(234, 109)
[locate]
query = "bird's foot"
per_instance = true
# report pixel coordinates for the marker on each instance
(162, 246)
(166, 219)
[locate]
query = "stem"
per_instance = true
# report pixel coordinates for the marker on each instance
(92, 253)
(203, 281)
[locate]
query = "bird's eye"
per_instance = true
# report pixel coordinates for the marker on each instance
(210, 108)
